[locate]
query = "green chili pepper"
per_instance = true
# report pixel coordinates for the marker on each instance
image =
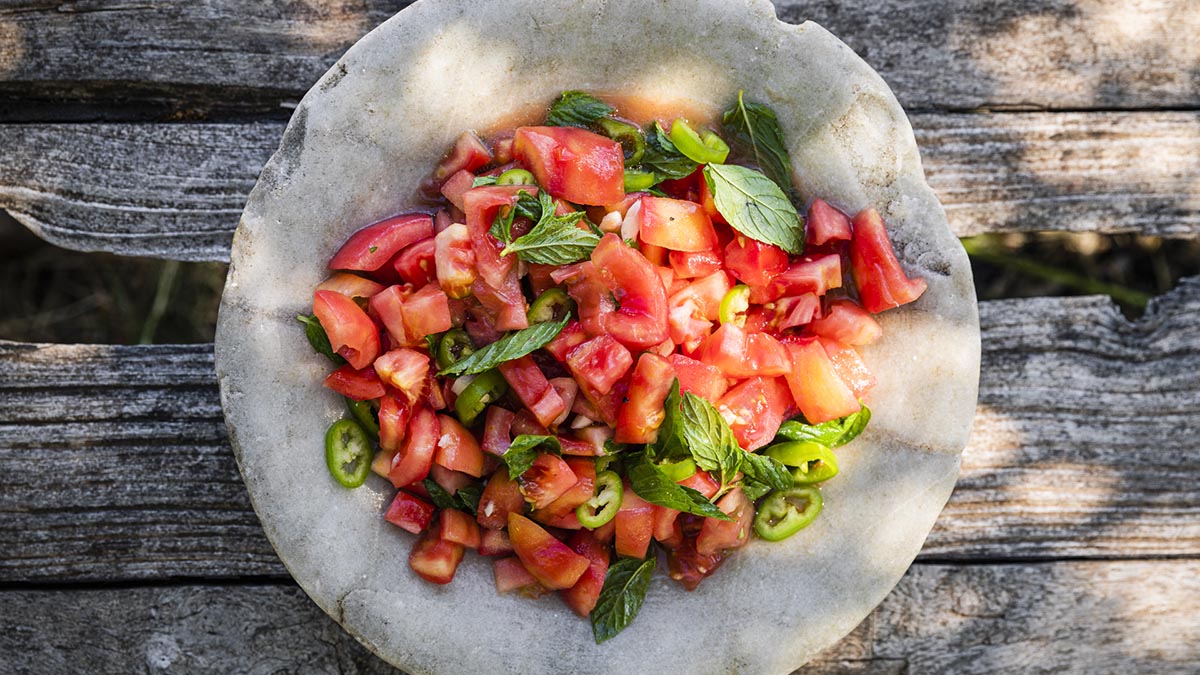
(454, 346)
(348, 453)
(633, 143)
(603, 505)
(707, 150)
(734, 305)
(552, 305)
(483, 390)
(786, 512)
(516, 177)
(681, 470)
(636, 181)
(814, 462)
(366, 414)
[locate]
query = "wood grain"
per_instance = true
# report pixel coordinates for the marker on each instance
(177, 190)
(114, 464)
(193, 58)
(1069, 617)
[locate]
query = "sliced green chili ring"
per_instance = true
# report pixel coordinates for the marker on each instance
(551, 305)
(681, 470)
(453, 347)
(605, 501)
(516, 177)
(348, 453)
(814, 462)
(786, 512)
(485, 389)
(707, 150)
(636, 180)
(633, 143)
(365, 414)
(734, 305)
(603, 462)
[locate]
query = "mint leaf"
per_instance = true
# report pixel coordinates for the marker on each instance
(754, 130)
(651, 484)
(577, 109)
(755, 206)
(710, 439)
(465, 499)
(765, 471)
(524, 451)
(754, 490)
(526, 206)
(661, 156)
(621, 598)
(555, 240)
(469, 496)
(315, 332)
(831, 434)
(511, 346)
(669, 444)
(483, 180)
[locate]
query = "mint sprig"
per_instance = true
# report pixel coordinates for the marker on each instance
(511, 346)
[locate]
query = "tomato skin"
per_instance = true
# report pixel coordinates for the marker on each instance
(351, 332)
(435, 560)
(350, 285)
(642, 413)
(394, 414)
(497, 430)
(849, 367)
(416, 264)
(535, 391)
(571, 337)
(846, 322)
(826, 223)
(495, 542)
(816, 387)
(547, 480)
(701, 379)
(405, 369)
(689, 264)
(547, 559)
(599, 363)
(755, 409)
(511, 576)
(585, 485)
(426, 312)
(501, 496)
(481, 205)
(454, 260)
(371, 247)
(582, 597)
(459, 528)
(812, 274)
(457, 448)
(796, 310)
(882, 283)
(387, 306)
(360, 385)
(676, 224)
(617, 270)
(739, 354)
(412, 463)
(664, 526)
(506, 302)
(720, 535)
(753, 262)
(409, 513)
(468, 154)
(456, 186)
(634, 525)
(573, 164)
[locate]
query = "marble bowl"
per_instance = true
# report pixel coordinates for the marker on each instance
(365, 136)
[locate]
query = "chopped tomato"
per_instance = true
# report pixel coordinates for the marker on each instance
(564, 507)
(540, 280)
(481, 206)
(387, 306)
(371, 247)
(664, 526)
(582, 597)
(468, 154)
(848, 323)
(599, 363)
(511, 575)
(495, 542)
(435, 560)
(810, 275)
(451, 481)
(718, 535)
(849, 367)
(415, 457)
(569, 338)
(351, 332)
(426, 312)
(692, 264)
(642, 412)
(360, 385)
(882, 283)
(573, 164)
(454, 260)
(635, 525)
(497, 430)
(350, 285)
(638, 317)
(457, 448)
(546, 480)
(456, 186)
(676, 224)
(457, 527)
(531, 386)
(501, 496)
(796, 310)
(755, 409)
(409, 513)
(416, 264)
(709, 204)
(753, 262)
(685, 564)
(826, 224)
(405, 369)
(701, 379)
(506, 302)
(548, 559)
(595, 438)
(740, 354)
(394, 414)
(817, 388)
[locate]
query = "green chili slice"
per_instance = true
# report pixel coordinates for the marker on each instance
(734, 305)
(365, 413)
(637, 180)
(681, 470)
(348, 453)
(483, 390)
(633, 143)
(552, 305)
(814, 462)
(786, 512)
(605, 502)
(516, 177)
(454, 346)
(707, 150)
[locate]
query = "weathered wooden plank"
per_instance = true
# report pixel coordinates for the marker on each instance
(936, 54)
(114, 463)
(1076, 617)
(176, 191)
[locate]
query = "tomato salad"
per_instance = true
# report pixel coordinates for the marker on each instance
(604, 338)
